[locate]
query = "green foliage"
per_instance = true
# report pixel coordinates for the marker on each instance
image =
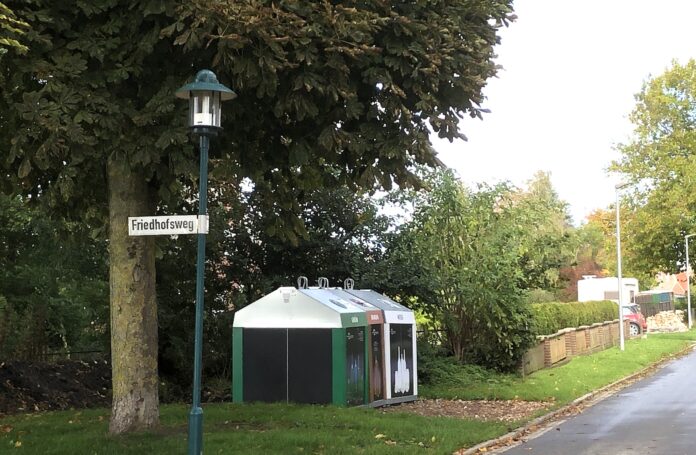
(434, 365)
(435, 368)
(11, 31)
(551, 317)
(254, 429)
(660, 159)
(52, 282)
(344, 101)
(347, 90)
(539, 296)
(330, 96)
(547, 243)
(567, 382)
(245, 262)
(459, 256)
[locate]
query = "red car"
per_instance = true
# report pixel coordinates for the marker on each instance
(637, 321)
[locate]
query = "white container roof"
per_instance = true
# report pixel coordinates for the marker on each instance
(394, 312)
(287, 307)
(375, 314)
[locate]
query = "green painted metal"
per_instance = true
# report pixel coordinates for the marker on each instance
(338, 367)
(366, 369)
(195, 433)
(237, 365)
(205, 80)
(353, 319)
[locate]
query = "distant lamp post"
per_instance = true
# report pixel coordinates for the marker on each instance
(205, 94)
(688, 285)
(618, 188)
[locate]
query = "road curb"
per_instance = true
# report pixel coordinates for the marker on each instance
(588, 400)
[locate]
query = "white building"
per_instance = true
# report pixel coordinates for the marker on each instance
(592, 288)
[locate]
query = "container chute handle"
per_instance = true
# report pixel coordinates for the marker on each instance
(348, 283)
(302, 282)
(323, 282)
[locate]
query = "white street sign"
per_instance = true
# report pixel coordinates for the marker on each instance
(167, 225)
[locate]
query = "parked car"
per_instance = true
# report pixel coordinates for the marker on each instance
(637, 322)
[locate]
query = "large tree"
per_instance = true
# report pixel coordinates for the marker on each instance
(548, 243)
(660, 160)
(330, 94)
(460, 258)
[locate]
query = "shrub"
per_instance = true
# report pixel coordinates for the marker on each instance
(540, 296)
(434, 365)
(551, 317)
(437, 367)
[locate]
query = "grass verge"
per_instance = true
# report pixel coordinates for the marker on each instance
(296, 429)
(565, 383)
(248, 429)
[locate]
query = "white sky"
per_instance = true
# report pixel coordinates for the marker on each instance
(571, 70)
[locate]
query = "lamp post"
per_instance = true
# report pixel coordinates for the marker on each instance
(204, 94)
(618, 187)
(688, 286)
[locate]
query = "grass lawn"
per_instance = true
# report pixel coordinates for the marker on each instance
(296, 429)
(248, 429)
(567, 382)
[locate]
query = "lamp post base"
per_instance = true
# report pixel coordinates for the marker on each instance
(195, 431)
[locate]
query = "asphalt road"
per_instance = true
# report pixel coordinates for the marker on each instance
(656, 415)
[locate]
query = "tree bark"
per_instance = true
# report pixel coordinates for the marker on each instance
(135, 404)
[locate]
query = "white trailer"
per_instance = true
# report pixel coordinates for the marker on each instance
(592, 288)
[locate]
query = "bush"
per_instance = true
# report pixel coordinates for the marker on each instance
(437, 367)
(551, 317)
(435, 364)
(540, 296)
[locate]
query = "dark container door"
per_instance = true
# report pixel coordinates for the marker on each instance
(401, 356)
(309, 365)
(376, 361)
(265, 368)
(355, 365)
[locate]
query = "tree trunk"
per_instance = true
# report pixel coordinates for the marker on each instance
(135, 404)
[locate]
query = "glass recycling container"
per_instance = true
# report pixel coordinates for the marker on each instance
(399, 347)
(300, 345)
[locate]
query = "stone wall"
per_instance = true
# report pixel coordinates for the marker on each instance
(556, 349)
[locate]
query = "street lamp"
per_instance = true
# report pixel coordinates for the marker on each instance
(204, 94)
(688, 286)
(618, 187)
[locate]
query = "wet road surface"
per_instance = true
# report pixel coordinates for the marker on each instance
(656, 415)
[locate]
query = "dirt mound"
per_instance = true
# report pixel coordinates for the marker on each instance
(30, 386)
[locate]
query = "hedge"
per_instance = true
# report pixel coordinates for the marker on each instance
(551, 317)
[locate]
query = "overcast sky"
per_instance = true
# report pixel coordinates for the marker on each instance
(561, 103)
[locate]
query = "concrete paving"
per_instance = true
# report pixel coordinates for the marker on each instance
(656, 415)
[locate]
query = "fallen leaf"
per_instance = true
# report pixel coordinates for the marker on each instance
(6, 428)
(390, 442)
(18, 444)
(380, 436)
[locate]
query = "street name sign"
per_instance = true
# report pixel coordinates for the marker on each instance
(167, 225)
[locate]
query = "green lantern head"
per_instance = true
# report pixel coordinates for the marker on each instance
(205, 94)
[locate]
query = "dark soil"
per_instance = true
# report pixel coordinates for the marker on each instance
(74, 384)
(33, 386)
